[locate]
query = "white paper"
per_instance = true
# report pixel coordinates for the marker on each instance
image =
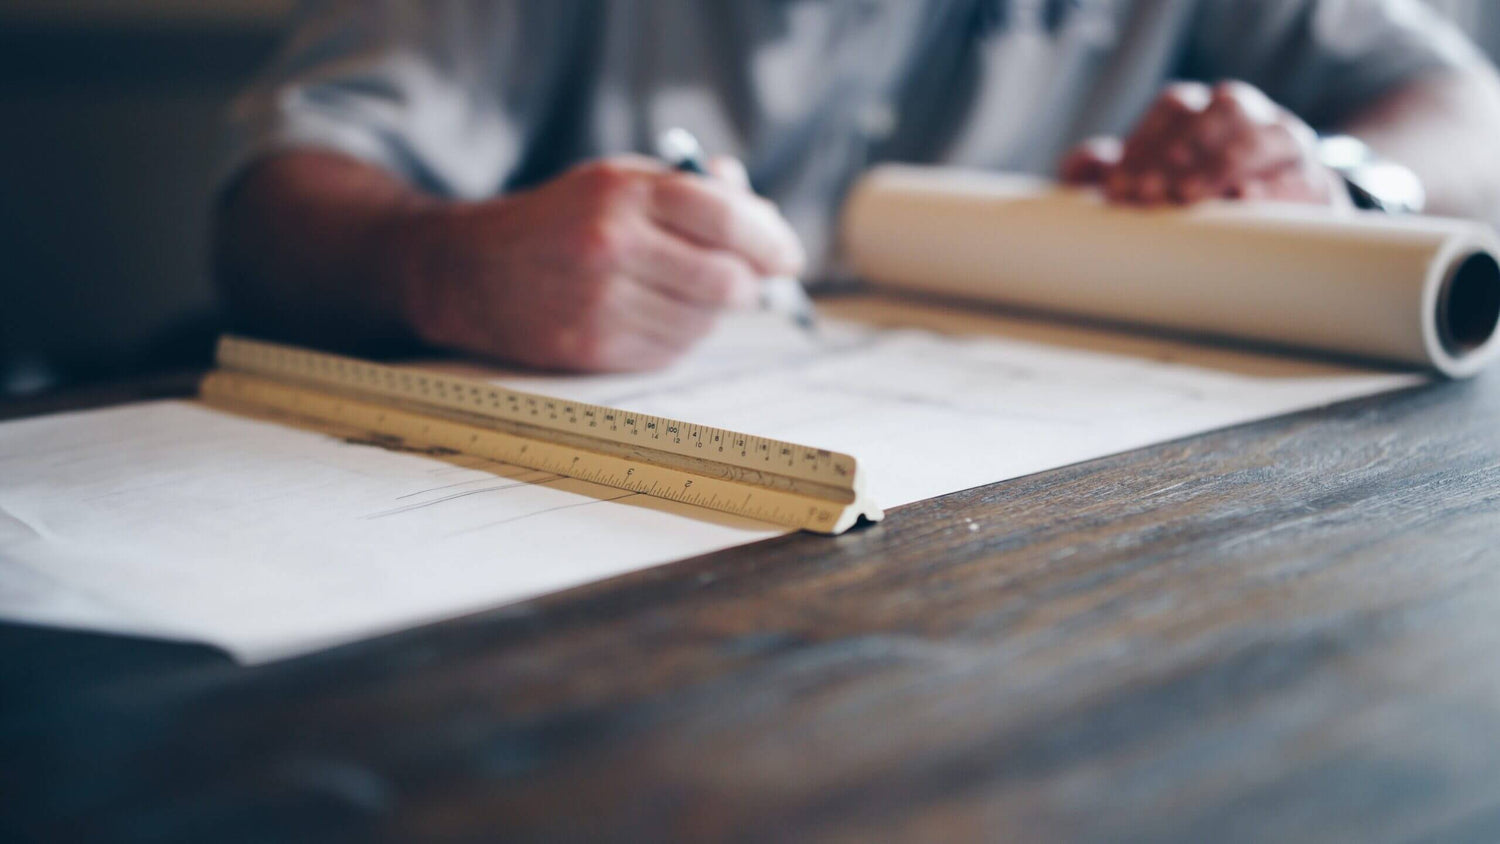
(175, 520)
(1412, 289)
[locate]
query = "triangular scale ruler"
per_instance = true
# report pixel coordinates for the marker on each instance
(769, 480)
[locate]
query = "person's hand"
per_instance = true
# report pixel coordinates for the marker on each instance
(1195, 143)
(618, 264)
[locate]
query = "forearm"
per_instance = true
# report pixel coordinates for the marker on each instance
(1446, 128)
(308, 247)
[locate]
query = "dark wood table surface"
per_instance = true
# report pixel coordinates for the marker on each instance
(1284, 631)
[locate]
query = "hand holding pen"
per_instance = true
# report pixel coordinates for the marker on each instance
(781, 294)
(616, 264)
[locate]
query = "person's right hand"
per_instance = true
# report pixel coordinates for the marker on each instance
(618, 264)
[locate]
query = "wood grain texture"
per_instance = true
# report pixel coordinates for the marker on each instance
(1283, 631)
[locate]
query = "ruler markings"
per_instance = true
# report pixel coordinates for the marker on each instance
(596, 421)
(816, 490)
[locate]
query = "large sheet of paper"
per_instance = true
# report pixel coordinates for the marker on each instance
(1413, 289)
(175, 520)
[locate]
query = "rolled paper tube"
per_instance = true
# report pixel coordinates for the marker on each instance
(1417, 290)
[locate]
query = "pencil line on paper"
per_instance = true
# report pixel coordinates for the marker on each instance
(466, 493)
(489, 476)
(513, 519)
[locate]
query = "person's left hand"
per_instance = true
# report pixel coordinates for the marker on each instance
(1195, 143)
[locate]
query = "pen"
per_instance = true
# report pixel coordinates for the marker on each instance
(782, 294)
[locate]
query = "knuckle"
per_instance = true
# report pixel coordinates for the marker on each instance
(1100, 147)
(1229, 89)
(1169, 105)
(1245, 101)
(1185, 96)
(599, 242)
(606, 180)
(604, 171)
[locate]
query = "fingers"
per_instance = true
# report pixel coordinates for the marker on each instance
(1241, 138)
(720, 216)
(1257, 155)
(1166, 120)
(1245, 101)
(1200, 157)
(706, 278)
(619, 324)
(622, 263)
(1091, 161)
(641, 328)
(668, 321)
(1231, 141)
(1297, 183)
(1144, 172)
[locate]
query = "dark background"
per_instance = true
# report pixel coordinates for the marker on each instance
(110, 131)
(110, 122)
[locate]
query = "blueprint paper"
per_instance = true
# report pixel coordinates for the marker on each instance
(175, 520)
(1411, 289)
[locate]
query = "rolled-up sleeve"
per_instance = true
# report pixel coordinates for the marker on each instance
(415, 88)
(1323, 59)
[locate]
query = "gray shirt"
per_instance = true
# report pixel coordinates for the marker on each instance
(469, 99)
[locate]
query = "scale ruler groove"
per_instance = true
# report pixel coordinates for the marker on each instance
(756, 477)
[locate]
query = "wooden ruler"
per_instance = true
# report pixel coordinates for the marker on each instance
(756, 477)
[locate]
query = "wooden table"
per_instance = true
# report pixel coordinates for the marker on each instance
(1283, 631)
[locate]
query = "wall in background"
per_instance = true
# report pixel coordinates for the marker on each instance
(109, 140)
